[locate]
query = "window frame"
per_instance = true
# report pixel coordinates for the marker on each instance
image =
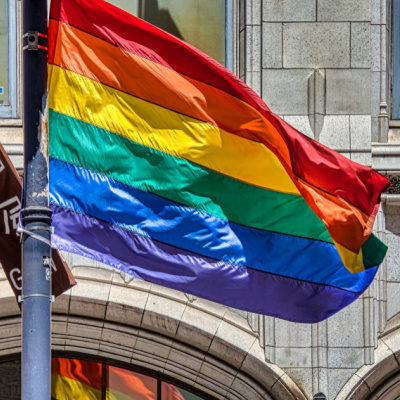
(230, 53)
(105, 361)
(10, 111)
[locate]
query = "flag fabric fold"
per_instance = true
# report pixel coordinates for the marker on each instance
(165, 165)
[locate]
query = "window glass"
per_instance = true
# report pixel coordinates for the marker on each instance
(4, 58)
(10, 380)
(75, 379)
(172, 392)
(88, 380)
(198, 22)
(122, 384)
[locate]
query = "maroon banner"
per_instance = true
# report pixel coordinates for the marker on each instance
(10, 246)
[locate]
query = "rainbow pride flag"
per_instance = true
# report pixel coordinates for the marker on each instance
(166, 166)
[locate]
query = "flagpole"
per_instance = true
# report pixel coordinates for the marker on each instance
(36, 215)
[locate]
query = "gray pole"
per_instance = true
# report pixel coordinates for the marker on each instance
(36, 215)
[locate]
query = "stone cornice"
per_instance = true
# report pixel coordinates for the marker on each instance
(386, 158)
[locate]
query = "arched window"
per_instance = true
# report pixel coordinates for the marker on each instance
(80, 379)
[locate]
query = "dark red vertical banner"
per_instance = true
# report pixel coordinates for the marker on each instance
(10, 246)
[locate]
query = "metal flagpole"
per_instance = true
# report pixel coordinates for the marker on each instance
(36, 215)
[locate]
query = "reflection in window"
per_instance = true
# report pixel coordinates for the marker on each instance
(198, 22)
(75, 379)
(122, 384)
(172, 392)
(4, 95)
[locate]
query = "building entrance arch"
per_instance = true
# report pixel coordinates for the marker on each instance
(203, 345)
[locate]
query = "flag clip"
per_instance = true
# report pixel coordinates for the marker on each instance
(34, 41)
(21, 229)
(21, 297)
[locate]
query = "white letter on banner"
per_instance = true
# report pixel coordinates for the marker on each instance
(12, 214)
(15, 276)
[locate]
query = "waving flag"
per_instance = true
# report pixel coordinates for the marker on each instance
(165, 165)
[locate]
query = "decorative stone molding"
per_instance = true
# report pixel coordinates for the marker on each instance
(386, 158)
(380, 380)
(316, 101)
(395, 181)
(200, 343)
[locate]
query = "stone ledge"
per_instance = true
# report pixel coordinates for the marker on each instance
(214, 373)
(386, 157)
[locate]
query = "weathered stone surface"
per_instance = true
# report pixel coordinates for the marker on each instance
(11, 135)
(301, 123)
(253, 79)
(253, 12)
(393, 296)
(61, 304)
(348, 91)
(285, 91)
(287, 357)
(254, 363)
(316, 45)
(162, 315)
(117, 336)
(219, 373)
(393, 253)
(253, 48)
(8, 302)
(375, 94)
(125, 305)
(343, 334)
(303, 377)
(288, 392)
(337, 378)
(272, 45)
(360, 132)
(90, 299)
(188, 359)
(361, 158)
(289, 10)
(231, 343)
(336, 132)
(291, 334)
(198, 328)
(375, 50)
(344, 10)
(376, 11)
(249, 389)
(386, 364)
(394, 136)
(351, 357)
(360, 45)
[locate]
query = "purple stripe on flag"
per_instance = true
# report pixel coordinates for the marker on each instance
(235, 286)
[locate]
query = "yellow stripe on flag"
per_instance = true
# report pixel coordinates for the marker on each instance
(165, 130)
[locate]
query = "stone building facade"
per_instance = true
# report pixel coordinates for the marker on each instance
(327, 68)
